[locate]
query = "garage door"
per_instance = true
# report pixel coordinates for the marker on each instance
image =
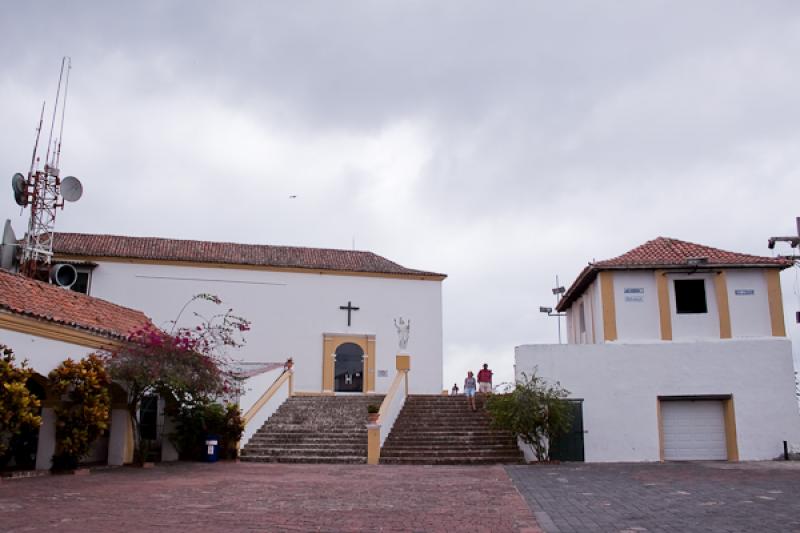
(693, 430)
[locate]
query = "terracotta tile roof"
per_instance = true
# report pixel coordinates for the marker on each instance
(24, 296)
(152, 248)
(664, 251)
(667, 253)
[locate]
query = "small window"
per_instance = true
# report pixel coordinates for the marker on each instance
(690, 296)
(82, 282)
(582, 318)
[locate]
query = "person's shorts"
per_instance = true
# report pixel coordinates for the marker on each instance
(469, 392)
(484, 386)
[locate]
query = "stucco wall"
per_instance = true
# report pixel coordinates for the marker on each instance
(750, 308)
(620, 384)
(637, 309)
(42, 354)
(290, 312)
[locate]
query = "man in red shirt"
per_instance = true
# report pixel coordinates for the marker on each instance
(485, 380)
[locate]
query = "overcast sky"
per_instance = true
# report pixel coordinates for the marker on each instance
(502, 143)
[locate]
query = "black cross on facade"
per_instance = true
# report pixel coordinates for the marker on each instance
(349, 308)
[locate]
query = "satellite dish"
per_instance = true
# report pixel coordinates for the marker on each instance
(71, 189)
(19, 185)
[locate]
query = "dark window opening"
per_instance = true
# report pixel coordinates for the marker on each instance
(690, 296)
(582, 318)
(148, 417)
(81, 283)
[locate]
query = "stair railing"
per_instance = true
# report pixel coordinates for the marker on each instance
(272, 398)
(390, 409)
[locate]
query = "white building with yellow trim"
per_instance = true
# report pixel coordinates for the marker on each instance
(332, 311)
(676, 351)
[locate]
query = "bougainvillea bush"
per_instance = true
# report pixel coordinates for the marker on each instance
(82, 416)
(19, 408)
(186, 366)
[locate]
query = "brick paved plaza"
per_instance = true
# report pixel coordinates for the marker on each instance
(707, 497)
(679, 497)
(268, 497)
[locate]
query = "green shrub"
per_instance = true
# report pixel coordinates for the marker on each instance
(82, 415)
(197, 421)
(19, 408)
(534, 411)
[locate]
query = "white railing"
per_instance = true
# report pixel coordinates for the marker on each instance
(267, 404)
(392, 404)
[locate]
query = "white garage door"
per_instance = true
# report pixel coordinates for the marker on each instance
(693, 430)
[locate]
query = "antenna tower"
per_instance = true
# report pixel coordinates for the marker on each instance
(43, 189)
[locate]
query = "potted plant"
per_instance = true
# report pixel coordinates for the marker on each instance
(373, 411)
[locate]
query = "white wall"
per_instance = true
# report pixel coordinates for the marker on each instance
(43, 355)
(620, 383)
(749, 312)
(637, 309)
(290, 312)
(690, 326)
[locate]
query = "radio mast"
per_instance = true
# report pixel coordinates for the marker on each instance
(43, 189)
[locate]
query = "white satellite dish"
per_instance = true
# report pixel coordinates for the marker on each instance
(71, 189)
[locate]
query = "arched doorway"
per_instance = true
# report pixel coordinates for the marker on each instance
(349, 368)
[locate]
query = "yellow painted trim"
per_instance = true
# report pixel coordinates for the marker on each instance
(660, 422)
(723, 307)
(371, 364)
(199, 264)
(130, 445)
(775, 302)
(373, 444)
(267, 396)
(327, 365)
(731, 441)
(331, 341)
(54, 331)
(609, 307)
(664, 310)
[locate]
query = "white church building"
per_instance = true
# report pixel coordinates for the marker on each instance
(332, 311)
(676, 351)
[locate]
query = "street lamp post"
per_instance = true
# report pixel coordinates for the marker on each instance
(558, 291)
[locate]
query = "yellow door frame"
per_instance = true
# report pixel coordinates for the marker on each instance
(330, 342)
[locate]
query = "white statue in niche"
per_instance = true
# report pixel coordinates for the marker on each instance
(403, 330)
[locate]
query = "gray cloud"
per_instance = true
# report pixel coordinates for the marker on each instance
(500, 143)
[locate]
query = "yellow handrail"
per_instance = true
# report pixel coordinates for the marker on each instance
(387, 400)
(268, 394)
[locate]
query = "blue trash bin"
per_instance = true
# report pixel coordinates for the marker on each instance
(212, 448)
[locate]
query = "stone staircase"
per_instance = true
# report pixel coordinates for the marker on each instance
(314, 429)
(442, 430)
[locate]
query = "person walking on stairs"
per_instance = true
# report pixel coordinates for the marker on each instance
(485, 380)
(469, 390)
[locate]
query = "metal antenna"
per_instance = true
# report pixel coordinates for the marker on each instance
(55, 110)
(63, 113)
(36, 142)
(44, 191)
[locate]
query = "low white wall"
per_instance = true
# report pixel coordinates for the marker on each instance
(620, 384)
(268, 409)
